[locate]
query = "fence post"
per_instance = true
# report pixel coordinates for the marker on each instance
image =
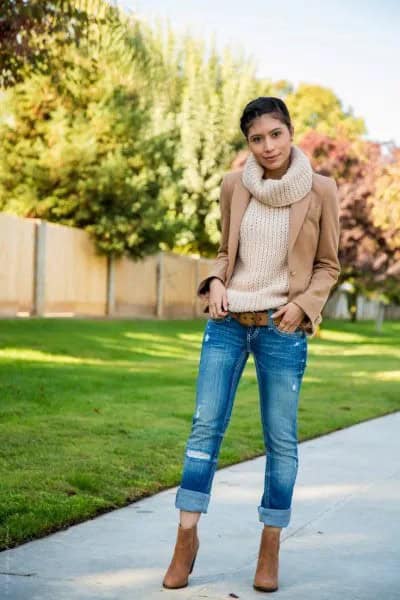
(379, 317)
(110, 301)
(197, 306)
(39, 271)
(160, 284)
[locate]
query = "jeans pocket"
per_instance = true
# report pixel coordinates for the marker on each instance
(299, 332)
(219, 320)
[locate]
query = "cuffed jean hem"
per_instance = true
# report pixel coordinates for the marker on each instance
(274, 516)
(191, 500)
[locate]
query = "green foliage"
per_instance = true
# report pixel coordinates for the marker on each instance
(79, 148)
(26, 26)
(212, 97)
(126, 130)
(315, 108)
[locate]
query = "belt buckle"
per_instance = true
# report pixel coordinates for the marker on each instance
(253, 316)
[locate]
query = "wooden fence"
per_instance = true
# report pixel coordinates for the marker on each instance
(53, 270)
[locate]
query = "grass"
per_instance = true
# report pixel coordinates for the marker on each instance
(95, 414)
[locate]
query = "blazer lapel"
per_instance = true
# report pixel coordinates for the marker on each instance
(240, 200)
(297, 213)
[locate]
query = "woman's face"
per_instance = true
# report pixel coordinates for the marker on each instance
(270, 141)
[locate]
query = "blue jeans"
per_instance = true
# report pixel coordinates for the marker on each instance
(280, 359)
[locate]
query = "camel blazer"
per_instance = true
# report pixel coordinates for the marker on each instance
(314, 230)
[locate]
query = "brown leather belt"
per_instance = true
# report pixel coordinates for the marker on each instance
(252, 318)
(257, 318)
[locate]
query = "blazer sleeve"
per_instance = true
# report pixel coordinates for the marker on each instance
(326, 267)
(220, 265)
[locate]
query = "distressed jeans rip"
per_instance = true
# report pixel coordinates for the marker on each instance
(197, 454)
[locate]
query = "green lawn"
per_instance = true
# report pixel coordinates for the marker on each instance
(95, 414)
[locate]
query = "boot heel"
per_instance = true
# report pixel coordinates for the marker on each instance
(194, 560)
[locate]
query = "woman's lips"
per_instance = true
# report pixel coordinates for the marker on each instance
(271, 157)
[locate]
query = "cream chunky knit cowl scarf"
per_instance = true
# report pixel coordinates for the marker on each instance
(292, 186)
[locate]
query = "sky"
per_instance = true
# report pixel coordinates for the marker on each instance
(351, 47)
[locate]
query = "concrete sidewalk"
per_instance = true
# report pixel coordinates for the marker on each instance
(343, 539)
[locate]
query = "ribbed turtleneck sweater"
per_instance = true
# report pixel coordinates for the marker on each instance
(260, 276)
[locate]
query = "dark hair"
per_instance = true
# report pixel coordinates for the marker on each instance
(261, 106)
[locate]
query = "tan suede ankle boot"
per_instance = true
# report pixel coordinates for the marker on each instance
(182, 563)
(266, 577)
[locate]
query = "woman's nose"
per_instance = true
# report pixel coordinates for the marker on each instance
(268, 145)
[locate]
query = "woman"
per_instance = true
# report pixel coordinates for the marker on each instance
(276, 264)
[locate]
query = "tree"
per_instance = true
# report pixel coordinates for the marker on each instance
(79, 148)
(368, 256)
(26, 26)
(127, 135)
(316, 108)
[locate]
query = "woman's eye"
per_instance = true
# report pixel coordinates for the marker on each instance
(277, 133)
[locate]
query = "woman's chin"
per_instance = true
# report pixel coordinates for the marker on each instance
(272, 165)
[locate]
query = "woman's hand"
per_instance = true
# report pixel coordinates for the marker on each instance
(292, 315)
(218, 301)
